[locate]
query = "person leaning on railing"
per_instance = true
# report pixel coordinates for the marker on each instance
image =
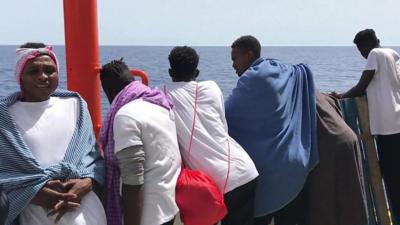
(380, 81)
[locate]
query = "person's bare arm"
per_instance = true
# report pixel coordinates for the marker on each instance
(360, 87)
(131, 164)
(132, 200)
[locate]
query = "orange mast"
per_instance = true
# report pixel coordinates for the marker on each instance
(82, 54)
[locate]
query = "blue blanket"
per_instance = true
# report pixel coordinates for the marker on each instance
(272, 114)
(3, 206)
(21, 175)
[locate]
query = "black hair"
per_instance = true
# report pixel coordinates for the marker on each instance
(114, 77)
(183, 61)
(116, 70)
(366, 37)
(248, 43)
(33, 45)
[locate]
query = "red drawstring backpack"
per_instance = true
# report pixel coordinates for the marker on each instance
(199, 199)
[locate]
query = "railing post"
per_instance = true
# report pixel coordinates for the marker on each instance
(82, 54)
(375, 176)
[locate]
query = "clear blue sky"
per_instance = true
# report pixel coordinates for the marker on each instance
(208, 22)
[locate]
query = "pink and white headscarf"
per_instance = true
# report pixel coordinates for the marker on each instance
(26, 54)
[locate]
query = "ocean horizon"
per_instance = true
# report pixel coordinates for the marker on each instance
(335, 68)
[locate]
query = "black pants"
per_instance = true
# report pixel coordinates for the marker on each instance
(291, 214)
(240, 204)
(389, 161)
(171, 222)
(3, 206)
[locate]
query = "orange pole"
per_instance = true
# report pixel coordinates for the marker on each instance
(141, 74)
(82, 54)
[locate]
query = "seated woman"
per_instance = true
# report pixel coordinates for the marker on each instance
(50, 161)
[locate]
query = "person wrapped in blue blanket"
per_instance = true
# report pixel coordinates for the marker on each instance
(3, 206)
(272, 114)
(49, 160)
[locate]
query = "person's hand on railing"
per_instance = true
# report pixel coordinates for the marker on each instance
(336, 95)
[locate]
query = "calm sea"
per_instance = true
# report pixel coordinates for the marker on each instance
(334, 68)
